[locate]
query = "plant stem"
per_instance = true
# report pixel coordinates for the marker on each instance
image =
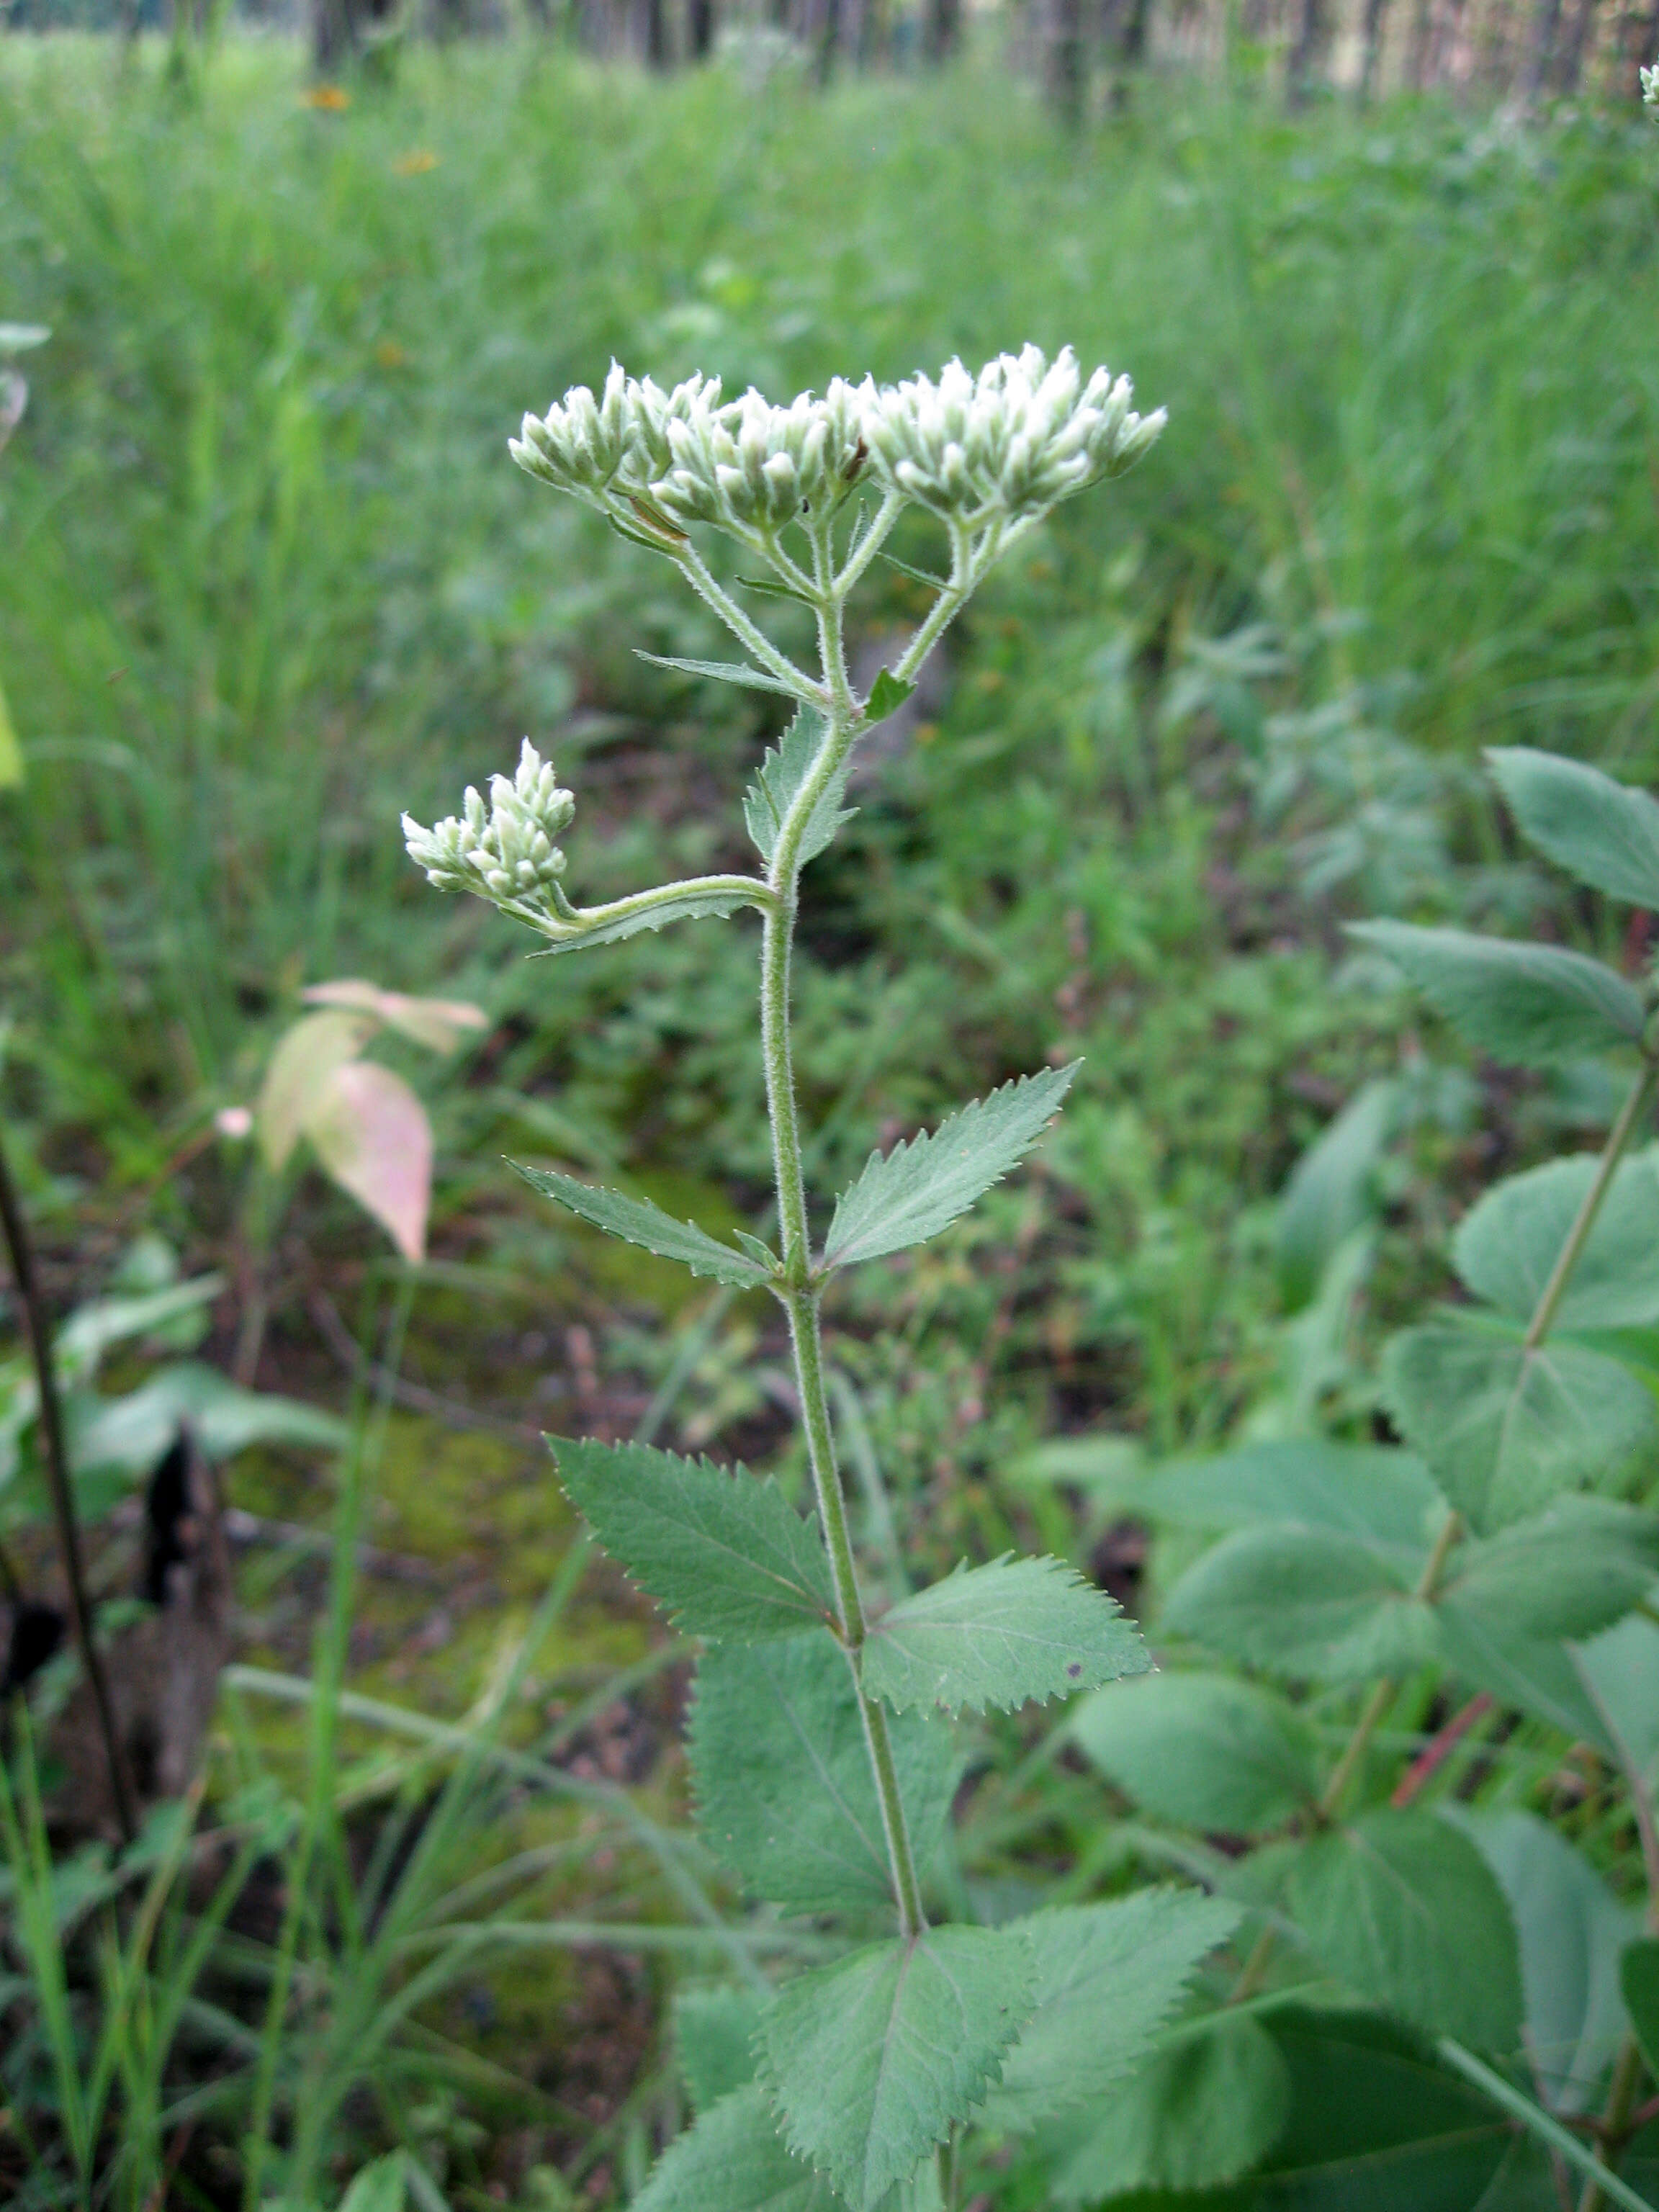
(1567, 1259)
(1537, 2122)
(55, 1453)
(1615, 2120)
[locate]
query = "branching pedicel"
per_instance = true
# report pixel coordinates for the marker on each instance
(823, 1772)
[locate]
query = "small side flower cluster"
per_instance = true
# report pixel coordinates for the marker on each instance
(1009, 442)
(505, 854)
(1651, 85)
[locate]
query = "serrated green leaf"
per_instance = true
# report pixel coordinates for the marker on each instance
(1487, 1652)
(1529, 1004)
(774, 587)
(1383, 1498)
(722, 671)
(1503, 1430)
(782, 774)
(1194, 2116)
(1508, 1245)
(916, 575)
(887, 695)
(785, 1795)
(1604, 833)
(874, 2059)
(1000, 1635)
(733, 2158)
(1108, 1977)
(1204, 1751)
(1329, 1195)
(725, 1554)
(1572, 1930)
(1305, 1604)
(636, 1221)
(1571, 1571)
(921, 1187)
(714, 2033)
(611, 928)
(1639, 1983)
(1401, 1906)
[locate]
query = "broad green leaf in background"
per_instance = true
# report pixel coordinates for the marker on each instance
(921, 1187)
(1194, 2115)
(725, 1555)
(1329, 1193)
(1204, 1751)
(301, 1064)
(714, 2034)
(1638, 1982)
(1305, 1603)
(1504, 1429)
(782, 1775)
(382, 2187)
(1108, 1978)
(100, 1324)
(1570, 1572)
(1528, 1005)
(636, 1221)
(733, 2158)
(1488, 1652)
(873, 2060)
(698, 905)
(1383, 1498)
(780, 777)
(1572, 1930)
(130, 1435)
(1402, 1907)
(11, 753)
(371, 1133)
(1001, 1635)
(1620, 1673)
(1604, 833)
(1507, 1245)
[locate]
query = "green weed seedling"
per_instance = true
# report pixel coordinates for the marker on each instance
(823, 1762)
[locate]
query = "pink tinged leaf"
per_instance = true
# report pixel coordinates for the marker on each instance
(438, 1023)
(302, 1064)
(372, 1134)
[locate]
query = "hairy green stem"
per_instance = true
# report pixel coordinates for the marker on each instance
(1567, 1259)
(692, 566)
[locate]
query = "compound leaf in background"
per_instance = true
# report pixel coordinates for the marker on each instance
(782, 1772)
(1572, 1930)
(636, 1221)
(1001, 1635)
(1204, 1751)
(130, 1435)
(1507, 1245)
(1638, 1982)
(1197, 2114)
(1604, 833)
(733, 2158)
(1402, 1907)
(299, 1068)
(921, 1186)
(370, 1132)
(873, 2060)
(1383, 1498)
(1108, 1978)
(1571, 1571)
(1505, 1430)
(1305, 1603)
(1620, 1674)
(1329, 1195)
(714, 2041)
(779, 779)
(1530, 1005)
(725, 1555)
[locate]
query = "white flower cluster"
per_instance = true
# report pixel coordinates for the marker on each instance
(1010, 442)
(1013, 440)
(1651, 85)
(505, 852)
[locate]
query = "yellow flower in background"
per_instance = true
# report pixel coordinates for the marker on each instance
(416, 164)
(333, 99)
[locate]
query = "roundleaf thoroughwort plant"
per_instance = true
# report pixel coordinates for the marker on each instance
(824, 1762)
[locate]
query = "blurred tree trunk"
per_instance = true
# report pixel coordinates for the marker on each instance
(829, 40)
(1540, 49)
(1375, 22)
(1132, 40)
(1417, 62)
(1570, 62)
(700, 28)
(333, 35)
(941, 28)
(1066, 72)
(1306, 53)
(654, 37)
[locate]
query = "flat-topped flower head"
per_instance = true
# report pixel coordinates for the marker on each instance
(504, 852)
(1022, 435)
(751, 465)
(610, 448)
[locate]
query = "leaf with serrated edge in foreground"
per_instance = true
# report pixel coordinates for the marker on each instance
(1108, 1978)
(919, 1187)
(1530, 1005)
(785, 767)
(874, 2059)
(1001, 1635)
(734, 2159)
(636, 1221)
(1604, 833)
(725, 1554)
